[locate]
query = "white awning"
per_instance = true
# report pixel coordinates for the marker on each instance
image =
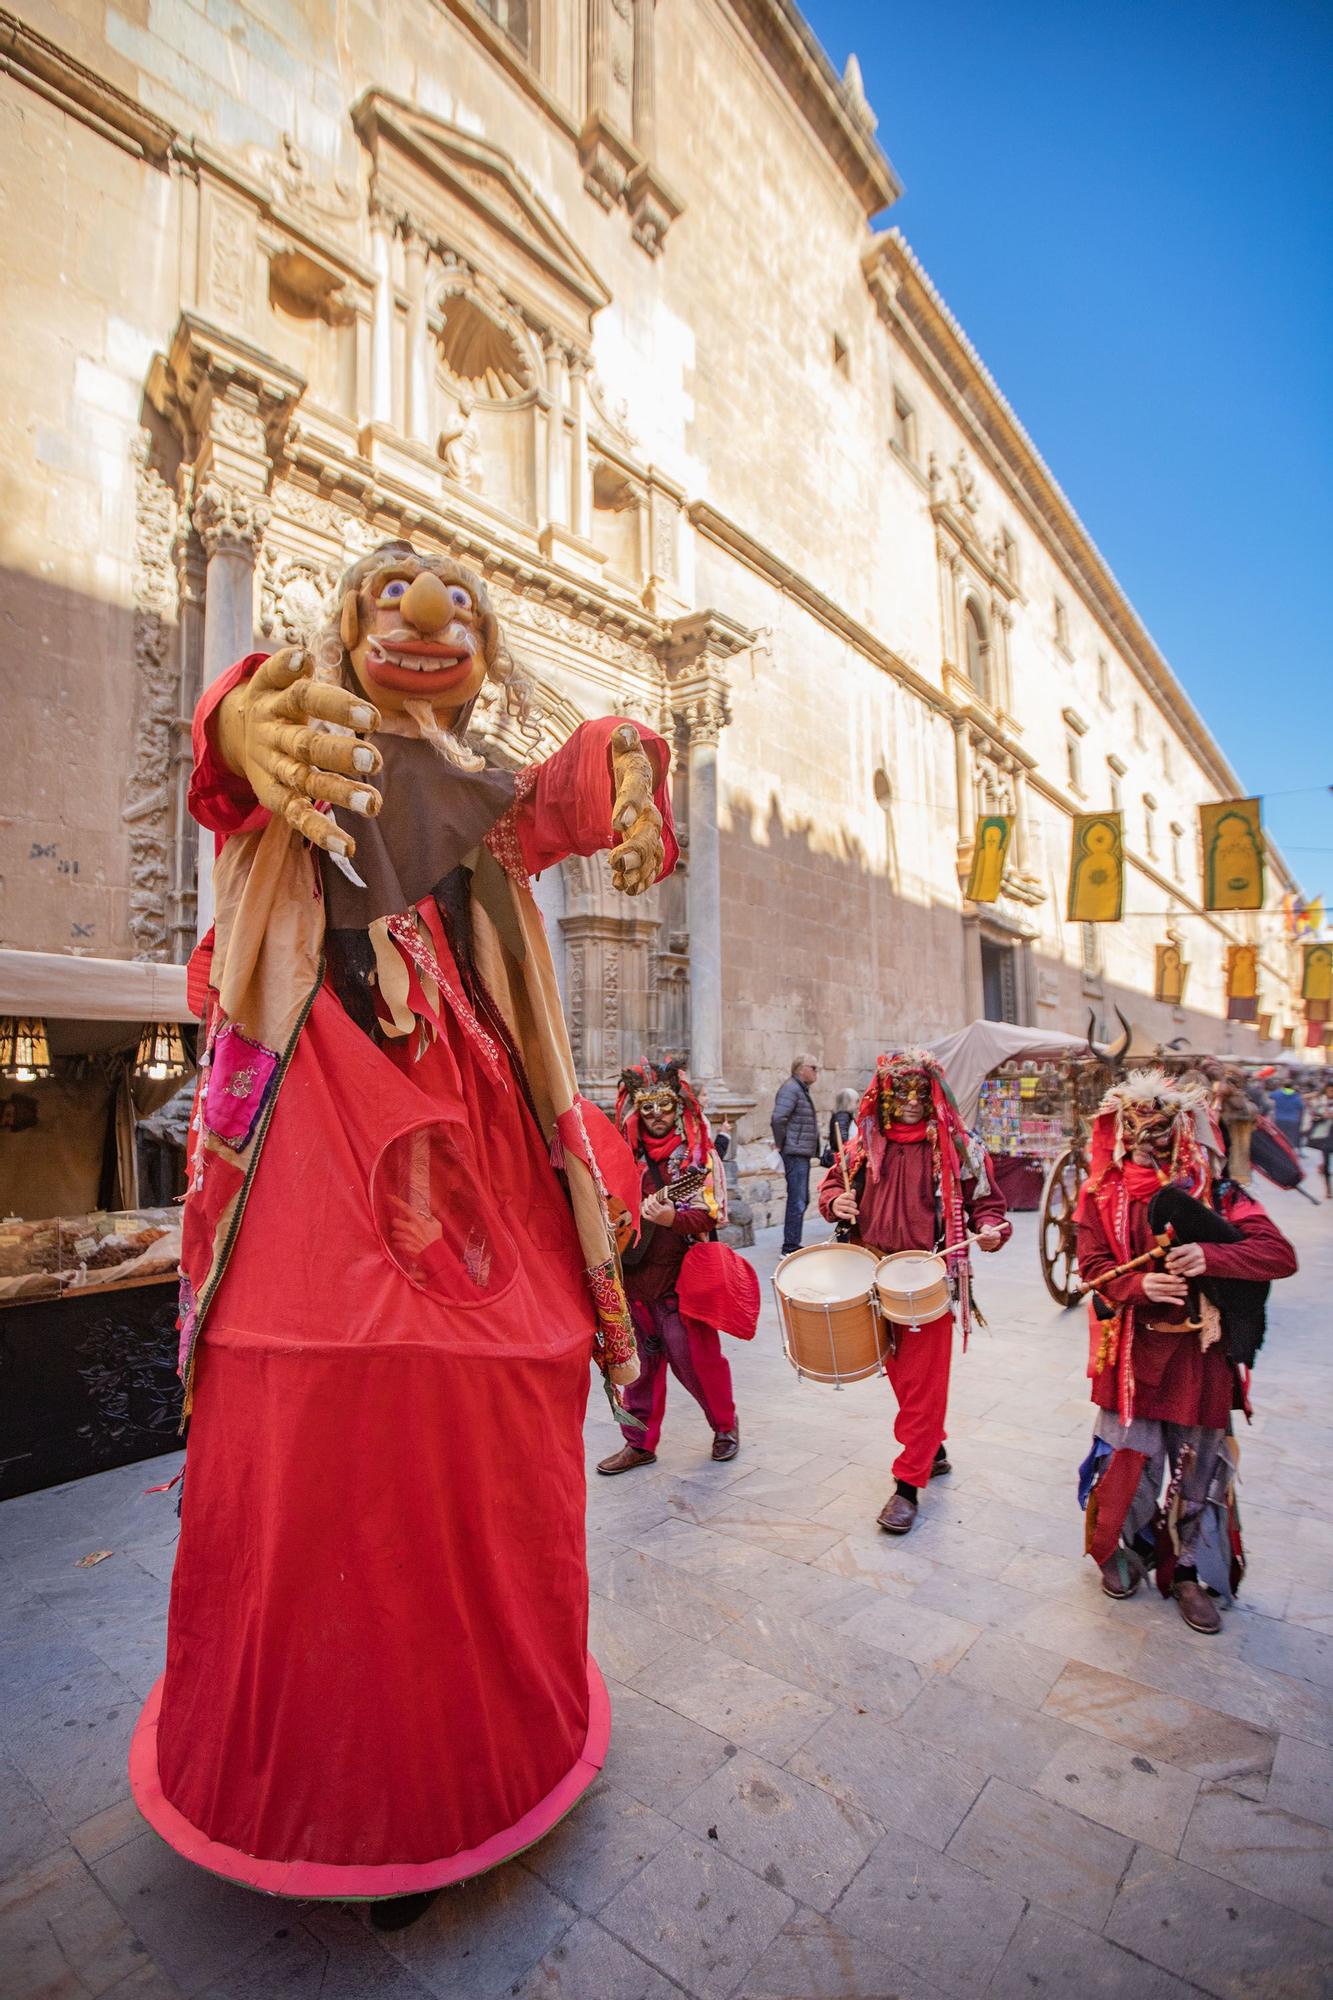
(64, 988)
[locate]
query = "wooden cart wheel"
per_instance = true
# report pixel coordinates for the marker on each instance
(1056, 1240)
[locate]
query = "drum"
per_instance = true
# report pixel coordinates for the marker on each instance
(831, 1329)
(913, 1287)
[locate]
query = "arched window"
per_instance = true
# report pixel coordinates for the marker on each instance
(976, 648)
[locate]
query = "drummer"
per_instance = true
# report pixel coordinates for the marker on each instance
(913, 1178)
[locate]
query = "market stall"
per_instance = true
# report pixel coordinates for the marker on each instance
(1023, 1090)
(96, 1058)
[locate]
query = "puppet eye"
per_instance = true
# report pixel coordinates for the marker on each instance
(459, 598)
(395, 588)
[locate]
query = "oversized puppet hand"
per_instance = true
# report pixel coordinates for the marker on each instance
(637, 860)
(271, 733)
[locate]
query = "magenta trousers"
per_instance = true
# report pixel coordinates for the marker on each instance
(695, 1358)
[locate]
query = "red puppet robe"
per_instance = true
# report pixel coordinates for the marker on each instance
(377, 1676)
(898, 1208)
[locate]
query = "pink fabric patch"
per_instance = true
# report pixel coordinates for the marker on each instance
(238, 1084)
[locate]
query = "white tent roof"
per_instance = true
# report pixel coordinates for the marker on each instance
(969, 1056)
(63, 988)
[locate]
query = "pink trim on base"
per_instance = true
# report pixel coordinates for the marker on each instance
(346, 1882)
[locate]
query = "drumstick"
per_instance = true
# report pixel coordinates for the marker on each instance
(1159, 1249)
(842, 1162)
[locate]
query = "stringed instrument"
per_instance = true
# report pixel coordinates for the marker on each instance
(679, 1190)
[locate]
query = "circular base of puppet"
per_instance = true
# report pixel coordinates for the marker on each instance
(315, 1880)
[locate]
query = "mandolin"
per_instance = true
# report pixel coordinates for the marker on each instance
(679, 1191)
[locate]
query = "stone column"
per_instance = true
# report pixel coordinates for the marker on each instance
(381, 347)
(645, 81)
(966, 793)
(704, 713)
(579, 512)
(599, 53)
(418, 359)
(230, 523)
(555, 435)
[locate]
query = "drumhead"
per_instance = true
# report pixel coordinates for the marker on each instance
(826, 1273)
(909, 1271)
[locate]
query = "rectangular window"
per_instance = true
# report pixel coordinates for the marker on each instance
(1061, 625)
(1009, 555)
(1074, 761)
(904, 426)
(1103, 680)
(1176, 834)
(1166, 758)
(1138, 724)
(1115, 785)
(1150, 827)
(513, 19)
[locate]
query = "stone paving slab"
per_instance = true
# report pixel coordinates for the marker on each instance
(842, 1766)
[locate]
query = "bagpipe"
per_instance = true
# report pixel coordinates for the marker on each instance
(1176, 1217)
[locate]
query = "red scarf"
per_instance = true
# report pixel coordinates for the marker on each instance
(657, 1149)
(907, 1135)
(1141, 1183)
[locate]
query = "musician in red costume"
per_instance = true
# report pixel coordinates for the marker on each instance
(666, 1131)
(919, 1181)
(397, 1257)
(1162, 1377)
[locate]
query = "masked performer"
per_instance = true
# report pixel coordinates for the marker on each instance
(1169, 1352)
(666, 1130)
(918, 1182)
(377, 1679)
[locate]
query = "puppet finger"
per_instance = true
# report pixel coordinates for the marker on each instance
(319, 830)
(327, 787)
(327, 752)
(280, 669)
(329, 704)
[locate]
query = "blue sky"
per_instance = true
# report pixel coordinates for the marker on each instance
(1129, 208)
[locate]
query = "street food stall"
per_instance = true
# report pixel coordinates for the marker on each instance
(96, 1064)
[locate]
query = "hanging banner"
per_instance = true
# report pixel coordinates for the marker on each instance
(1317, 981)
(1233, 855)
(1172, 972)
(1315, 1028)
(990, 849)
(1096, 869)
(1288, 1038)
(1242, 982)
(1265, 1027)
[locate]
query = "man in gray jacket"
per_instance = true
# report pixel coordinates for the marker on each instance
(796, 1136)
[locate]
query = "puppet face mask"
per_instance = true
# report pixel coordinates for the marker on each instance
(412, 635)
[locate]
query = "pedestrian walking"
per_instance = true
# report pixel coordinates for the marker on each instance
(796, 1136)
(1320, 1134)
(842, 1122)
(1288, 1112)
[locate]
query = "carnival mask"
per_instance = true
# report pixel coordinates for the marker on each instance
(413, 634)
(905, 1099)
(658, 1109)
(1148, 1128)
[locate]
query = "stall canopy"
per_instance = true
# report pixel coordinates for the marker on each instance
(62, 988)
(969, 1056)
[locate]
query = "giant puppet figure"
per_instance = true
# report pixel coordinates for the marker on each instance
(912, 1178)
(1179, 1261)
(397, 1262)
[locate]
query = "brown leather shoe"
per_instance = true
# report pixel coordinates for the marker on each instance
(940, 1464)
(1196, 1607)
(897, 1515)
(726, 1444)
(626, 1459)
(1122, 1573)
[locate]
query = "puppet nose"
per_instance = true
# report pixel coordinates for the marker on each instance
(426, 604)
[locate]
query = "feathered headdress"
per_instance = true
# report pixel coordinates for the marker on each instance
(648, 1079)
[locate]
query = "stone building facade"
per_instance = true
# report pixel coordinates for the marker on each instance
(587, 292)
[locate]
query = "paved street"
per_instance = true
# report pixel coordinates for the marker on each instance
(841, 1766)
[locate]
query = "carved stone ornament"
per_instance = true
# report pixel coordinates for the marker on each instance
(608, 160)
(965, 482)
(230, 520)
(652, 206)
(288, 174)
(293, 592)
(148, 797)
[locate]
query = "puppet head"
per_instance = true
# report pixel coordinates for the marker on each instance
(1152, 1119)
(417, 635)
(658, 1098)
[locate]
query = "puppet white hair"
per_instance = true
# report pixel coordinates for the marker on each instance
(1184, 1100)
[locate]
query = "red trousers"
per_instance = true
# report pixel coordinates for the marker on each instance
(694, 1356)
(919, 1373)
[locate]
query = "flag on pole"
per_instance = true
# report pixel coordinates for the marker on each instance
(1172, 973)
(1233, 855)
(1242, 982)
(1096, 869)
(990, 850)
